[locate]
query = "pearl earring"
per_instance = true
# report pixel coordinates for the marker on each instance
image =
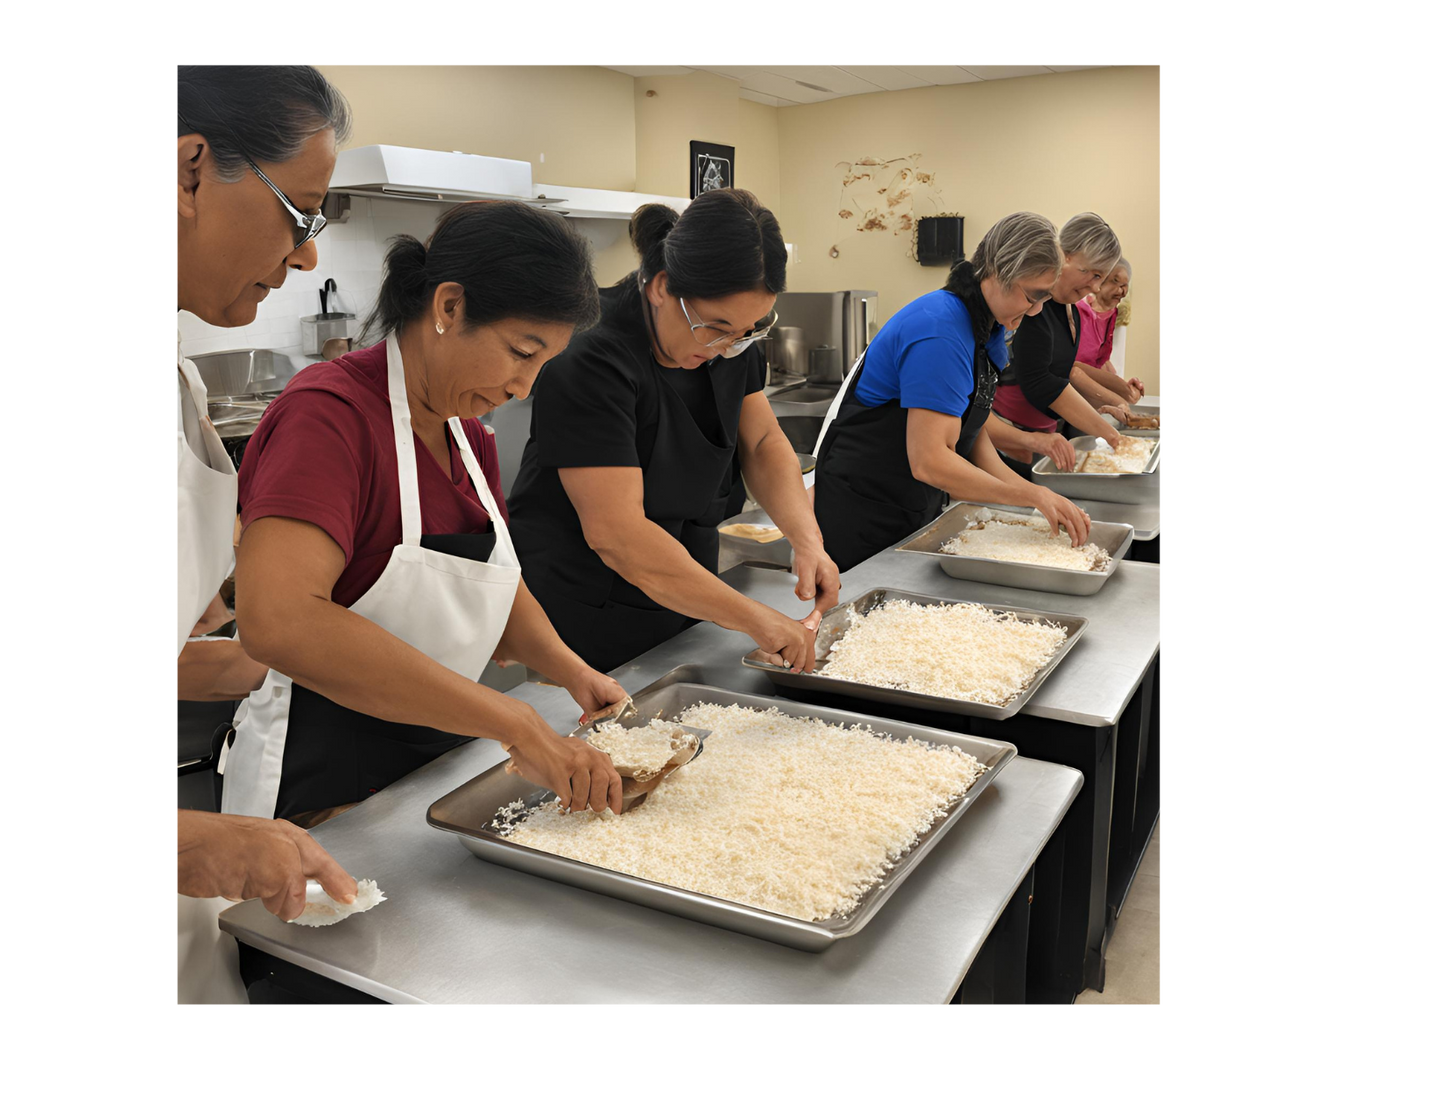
(439, 328)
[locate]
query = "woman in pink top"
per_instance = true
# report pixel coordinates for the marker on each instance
(1093, 374)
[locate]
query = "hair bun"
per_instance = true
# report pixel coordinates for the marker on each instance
(649, 227)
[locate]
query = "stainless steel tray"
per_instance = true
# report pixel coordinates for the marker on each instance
(468, 812)
(1114, 538)
(1117, 488)
(733, 550)
(1137, 409)
(835, 622)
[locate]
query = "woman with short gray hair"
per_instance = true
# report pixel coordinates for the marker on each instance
(907, 428)
(1034, 391)
(1094, 374)
(255, 146)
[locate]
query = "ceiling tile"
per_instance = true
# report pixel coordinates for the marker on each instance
(887, 77)
(832, 79)
(651, 71)
(991, 73)
(735, 72)
(779, 86)
(1065, 69)
(765, 98)
(940, 75)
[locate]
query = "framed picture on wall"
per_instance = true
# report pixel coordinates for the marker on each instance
(712, 167)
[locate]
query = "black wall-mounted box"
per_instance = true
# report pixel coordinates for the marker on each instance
(940, 240)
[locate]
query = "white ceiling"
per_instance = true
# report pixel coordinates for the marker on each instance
(803, 85)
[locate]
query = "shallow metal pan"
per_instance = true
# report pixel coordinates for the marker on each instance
(734, 550)
(1137, 409)
(1117, 488)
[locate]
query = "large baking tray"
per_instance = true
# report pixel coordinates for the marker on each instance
(1117, 488)
(468, 812)
(835, 622)
(1114, 538)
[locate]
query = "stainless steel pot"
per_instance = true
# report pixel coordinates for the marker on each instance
(242, 372)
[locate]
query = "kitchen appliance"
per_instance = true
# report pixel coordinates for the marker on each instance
(387, 171)
(845, 320)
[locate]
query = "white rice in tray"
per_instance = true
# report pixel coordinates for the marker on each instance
(961, 651)
(992, 537)
(790, 815)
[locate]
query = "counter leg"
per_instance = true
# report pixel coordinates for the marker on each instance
(1136, 791)
(998, 973)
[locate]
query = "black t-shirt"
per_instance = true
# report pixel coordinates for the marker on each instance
(597, 404)
(1041, 355)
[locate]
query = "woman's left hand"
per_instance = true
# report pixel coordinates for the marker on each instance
(1138, 386)
(818, 582)
(594, 691)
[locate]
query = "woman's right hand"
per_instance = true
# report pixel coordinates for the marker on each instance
(784, 641)
(1111, 436)
(1059, 449)
(1062, 513)
(581, 775)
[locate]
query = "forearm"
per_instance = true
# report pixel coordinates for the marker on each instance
(963, 480)
(773, 475)
(358, 664)
(530, 638)
(1107, 379)
(1018, 444)
(1094, 393)
(216, 671)
(1076, 410)
(661, 567)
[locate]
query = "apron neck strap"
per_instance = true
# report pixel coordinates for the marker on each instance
(405, 445)
(502, 548)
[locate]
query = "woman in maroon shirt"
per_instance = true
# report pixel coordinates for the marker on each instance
(372, 577)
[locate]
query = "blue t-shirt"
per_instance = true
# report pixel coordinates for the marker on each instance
(923, 356)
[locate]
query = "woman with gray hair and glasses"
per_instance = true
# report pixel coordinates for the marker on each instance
(907, 428)
(1094, 373)
(1035, 391)
(255, 149)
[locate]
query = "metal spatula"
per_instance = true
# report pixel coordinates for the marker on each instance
(689, 738)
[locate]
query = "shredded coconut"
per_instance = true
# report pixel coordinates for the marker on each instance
(791, 815)
(962, 651)
(1131, 457)
(642, 751)
(994, 537)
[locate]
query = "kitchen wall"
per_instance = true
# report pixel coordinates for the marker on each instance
(1056, 144)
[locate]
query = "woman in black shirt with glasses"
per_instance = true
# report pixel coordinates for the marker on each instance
(628, 468)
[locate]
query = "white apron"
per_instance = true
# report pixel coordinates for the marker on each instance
(836, 405)
(452, 609)
(207, 964)
(206, 487)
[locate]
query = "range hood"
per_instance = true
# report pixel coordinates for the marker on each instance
(384, 171)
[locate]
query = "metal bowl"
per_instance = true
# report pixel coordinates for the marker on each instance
(239, 372)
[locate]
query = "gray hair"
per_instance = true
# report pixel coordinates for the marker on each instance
(1088, 235)
(1128, 267)
(1019, 245)
(264, 113)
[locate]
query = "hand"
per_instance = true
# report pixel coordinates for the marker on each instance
(783, 641)
(583, 777)
(214, 617)
(1062, 513)
(1138, 386)
(1059, 449)
(594, 691)
(818, 582)
(244, 858)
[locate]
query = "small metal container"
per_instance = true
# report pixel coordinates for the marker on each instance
(734, 550)
(318, 329)
(824, 365)
(787, 351)
(242, 372)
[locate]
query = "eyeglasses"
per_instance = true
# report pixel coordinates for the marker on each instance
(731, 344)
(308, 224)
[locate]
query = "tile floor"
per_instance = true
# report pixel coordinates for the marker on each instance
(1131, 975)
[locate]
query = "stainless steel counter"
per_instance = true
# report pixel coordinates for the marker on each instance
(457, 929)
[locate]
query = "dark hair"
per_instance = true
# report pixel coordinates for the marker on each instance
(266, 113)
(724, 243)
(964, 283)
(512, 260)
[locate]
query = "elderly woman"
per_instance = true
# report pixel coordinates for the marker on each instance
(1035, 391)
(376, 574)
(908, 426)
(256, 146)
(1094, 374)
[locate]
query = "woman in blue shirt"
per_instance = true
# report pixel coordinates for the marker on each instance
(907, 427)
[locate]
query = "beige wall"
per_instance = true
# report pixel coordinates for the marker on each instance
(1056, 144)
(579, 117)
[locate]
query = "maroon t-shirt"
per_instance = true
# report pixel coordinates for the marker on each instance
(324, 452)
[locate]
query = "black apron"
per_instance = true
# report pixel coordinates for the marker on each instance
(334, 755)
(686, 485)
(866, 497)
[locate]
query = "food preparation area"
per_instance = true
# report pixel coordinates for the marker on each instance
(1028, 541)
